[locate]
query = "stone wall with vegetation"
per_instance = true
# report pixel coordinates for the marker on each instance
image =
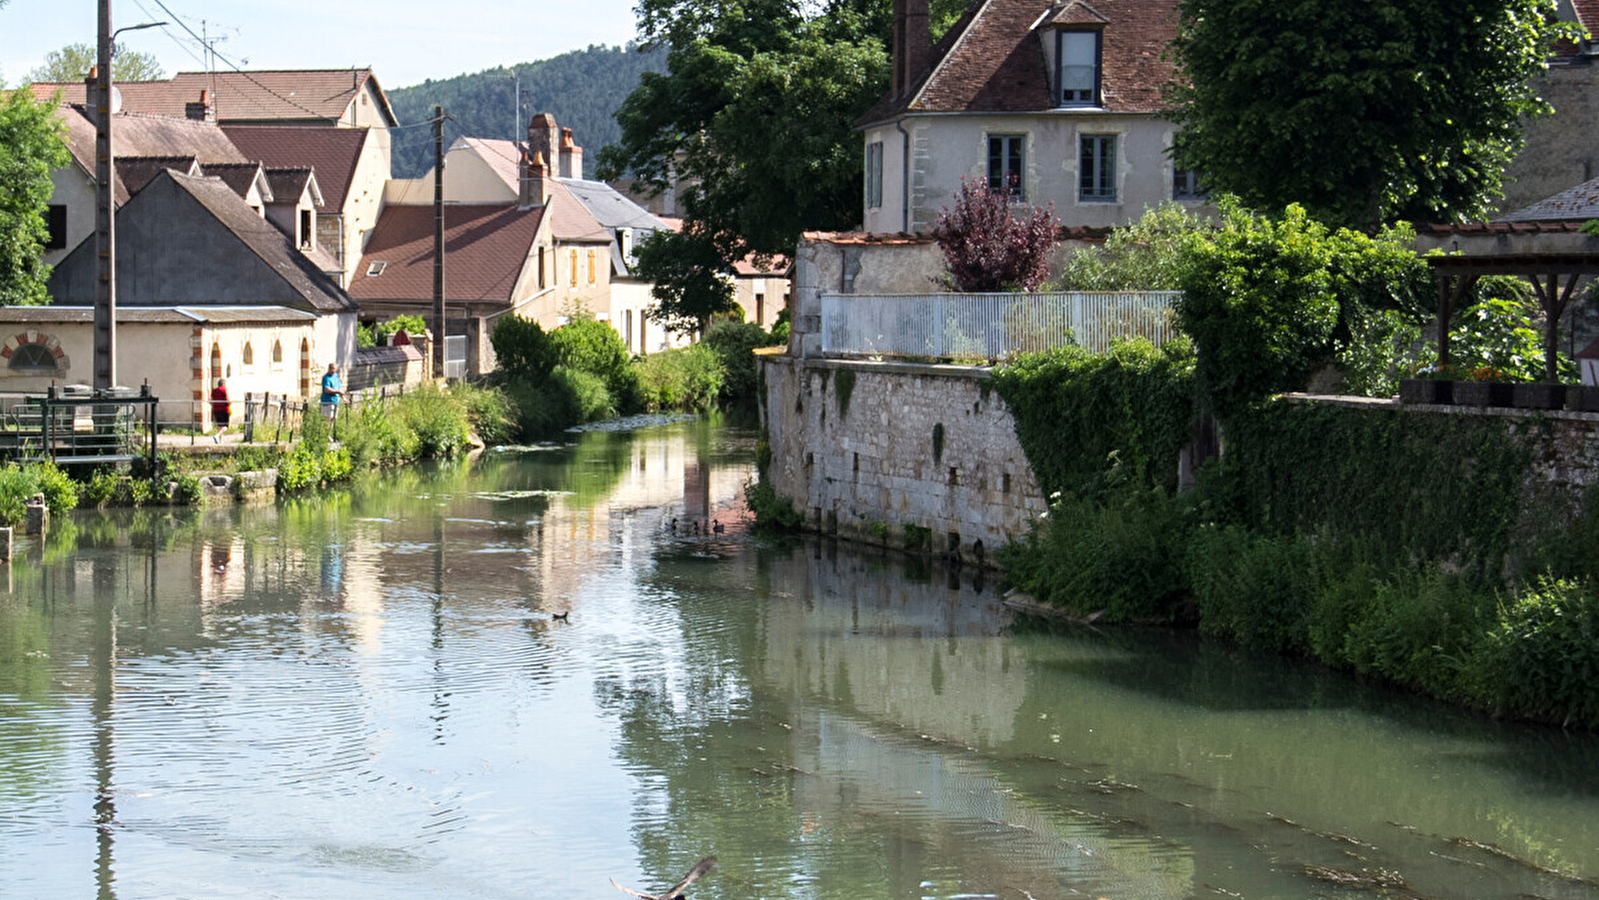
(916, 456)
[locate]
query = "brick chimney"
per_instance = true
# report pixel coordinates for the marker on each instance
(544, 139)
(571, 156)
(535, 188)
(913, 42)
(201, 111)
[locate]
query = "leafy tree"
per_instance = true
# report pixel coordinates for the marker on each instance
(1269, 301)
(73, 62)
(1145, 255)
(986, 248)
(1362, 111)
(30, 146)
(753, 123)
(521, 349)
(688, 274)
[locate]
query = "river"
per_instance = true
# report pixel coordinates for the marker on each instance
(371, 694)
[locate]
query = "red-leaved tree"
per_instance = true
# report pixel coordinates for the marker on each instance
(987, 247)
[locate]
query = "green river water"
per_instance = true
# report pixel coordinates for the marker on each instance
(367, 695)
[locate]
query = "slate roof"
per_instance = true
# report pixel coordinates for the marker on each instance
(1579, 204)
(289, 182)
(485, 248)
(610, 207)
(266, 241)
(240, 176)
(134, 172)
(298, 95)
(135, 135)
(992, 59)
(332, 152)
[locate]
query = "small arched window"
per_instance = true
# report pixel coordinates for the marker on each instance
(33, 357)
(249, 354)
(277, 352)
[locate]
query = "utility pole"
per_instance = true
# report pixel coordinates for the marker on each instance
(105, 286)
(105, 218)
(438, 240)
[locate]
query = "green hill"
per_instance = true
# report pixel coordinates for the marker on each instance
(582, 89)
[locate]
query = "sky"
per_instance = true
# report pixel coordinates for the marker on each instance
(404, 42)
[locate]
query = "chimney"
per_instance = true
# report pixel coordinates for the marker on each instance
(201, 111)
(571, 156)
(535, 190)
(544, 140)
(913, 41)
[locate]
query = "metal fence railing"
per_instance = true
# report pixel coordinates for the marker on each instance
(989, 326)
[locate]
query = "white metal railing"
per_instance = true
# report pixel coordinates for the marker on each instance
(989, 326)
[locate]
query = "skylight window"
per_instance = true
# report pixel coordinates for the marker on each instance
(376, 268)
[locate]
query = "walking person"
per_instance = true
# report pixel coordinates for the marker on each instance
(332, 390)
(219, 409)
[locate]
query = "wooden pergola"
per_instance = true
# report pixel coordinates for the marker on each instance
(1553, 275)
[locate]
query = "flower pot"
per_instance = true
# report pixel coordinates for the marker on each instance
(1482, 393)
(1425, 390)
(1582, 397)
(1539, 396)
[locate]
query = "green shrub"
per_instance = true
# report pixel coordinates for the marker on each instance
(1420, 630)
(299, 469)
(60, 491)
(488, 410)
(522, 350)
(1258, 591)
(437, 419)
(734, 344)
(186, 490)
(100, 489)
(1541, 660)
(687, 379)
(593, 347)
(771, 511)
(314, 429)
(1125, 557)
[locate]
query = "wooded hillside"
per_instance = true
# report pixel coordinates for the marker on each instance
(582, 89)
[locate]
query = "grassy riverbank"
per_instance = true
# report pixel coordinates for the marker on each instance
(1415, 549)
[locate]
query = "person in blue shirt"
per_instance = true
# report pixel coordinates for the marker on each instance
(332, 390)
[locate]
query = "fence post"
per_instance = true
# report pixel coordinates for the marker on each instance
(249, 417)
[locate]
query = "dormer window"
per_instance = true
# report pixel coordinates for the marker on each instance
(1077, 67)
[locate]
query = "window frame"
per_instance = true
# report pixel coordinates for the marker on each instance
(1185, 185)
(1012, 164)
(874, 175)
(16, 363)
(1098, 185)
(1094, 101)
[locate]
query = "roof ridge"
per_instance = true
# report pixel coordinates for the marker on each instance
(955, 45)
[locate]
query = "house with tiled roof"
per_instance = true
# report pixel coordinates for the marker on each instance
(585, 255)
(352, 167)
(1056, 101)
(206, 288)
(1560, 152)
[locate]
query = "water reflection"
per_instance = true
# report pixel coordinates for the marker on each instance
(370, 694)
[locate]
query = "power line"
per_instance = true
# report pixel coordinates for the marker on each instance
(232, 65)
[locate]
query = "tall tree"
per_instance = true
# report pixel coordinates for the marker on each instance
(1364, 111)
(30, 146)
(753, 121)
(72, 63)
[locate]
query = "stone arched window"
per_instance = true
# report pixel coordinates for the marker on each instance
(277, 353)
(33, 358)
(249, 354)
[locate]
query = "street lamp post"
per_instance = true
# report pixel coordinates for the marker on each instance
(105, 290)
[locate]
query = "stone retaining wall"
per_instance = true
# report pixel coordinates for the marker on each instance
(917, 456)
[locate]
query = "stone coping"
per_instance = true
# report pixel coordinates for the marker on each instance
(1509, 412)
(886, 367)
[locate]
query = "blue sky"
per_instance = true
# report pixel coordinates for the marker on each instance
(404, 41)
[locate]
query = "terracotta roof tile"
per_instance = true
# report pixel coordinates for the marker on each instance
(993, 59)
(332, 152)
(147, 136)
(258, 96)
(485, 248)
(241, 177)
